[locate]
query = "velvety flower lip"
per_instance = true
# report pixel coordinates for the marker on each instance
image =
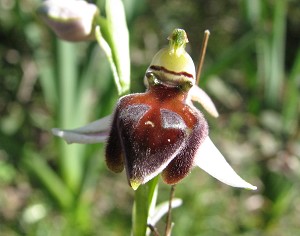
(71, 20)
(208, 157)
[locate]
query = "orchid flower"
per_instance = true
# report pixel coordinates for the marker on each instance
(71, 20)
(160, 131)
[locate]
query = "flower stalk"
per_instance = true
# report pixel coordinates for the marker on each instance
(144, 200)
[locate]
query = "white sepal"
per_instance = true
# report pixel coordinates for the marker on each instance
(95, 132)
(209, 159)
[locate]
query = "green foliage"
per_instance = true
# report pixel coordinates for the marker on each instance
(251, 70)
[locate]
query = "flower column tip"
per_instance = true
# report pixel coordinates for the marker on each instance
(178, 40)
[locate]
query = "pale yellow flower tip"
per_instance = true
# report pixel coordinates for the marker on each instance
(134, 184)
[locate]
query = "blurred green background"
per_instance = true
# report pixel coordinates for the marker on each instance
(251, 71)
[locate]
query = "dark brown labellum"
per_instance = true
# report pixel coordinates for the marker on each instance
(154, 132)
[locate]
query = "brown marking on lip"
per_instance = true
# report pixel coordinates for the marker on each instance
(161, 68)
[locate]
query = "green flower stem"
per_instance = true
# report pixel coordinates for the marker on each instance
(144, 199)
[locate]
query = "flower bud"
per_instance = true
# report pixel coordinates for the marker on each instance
(71, 20)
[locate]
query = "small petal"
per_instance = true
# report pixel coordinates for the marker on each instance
(210, 159)
(95, 132)
(198, 95)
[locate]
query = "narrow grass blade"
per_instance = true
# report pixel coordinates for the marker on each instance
(53, 184)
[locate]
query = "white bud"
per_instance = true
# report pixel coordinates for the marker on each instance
(71, 20)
